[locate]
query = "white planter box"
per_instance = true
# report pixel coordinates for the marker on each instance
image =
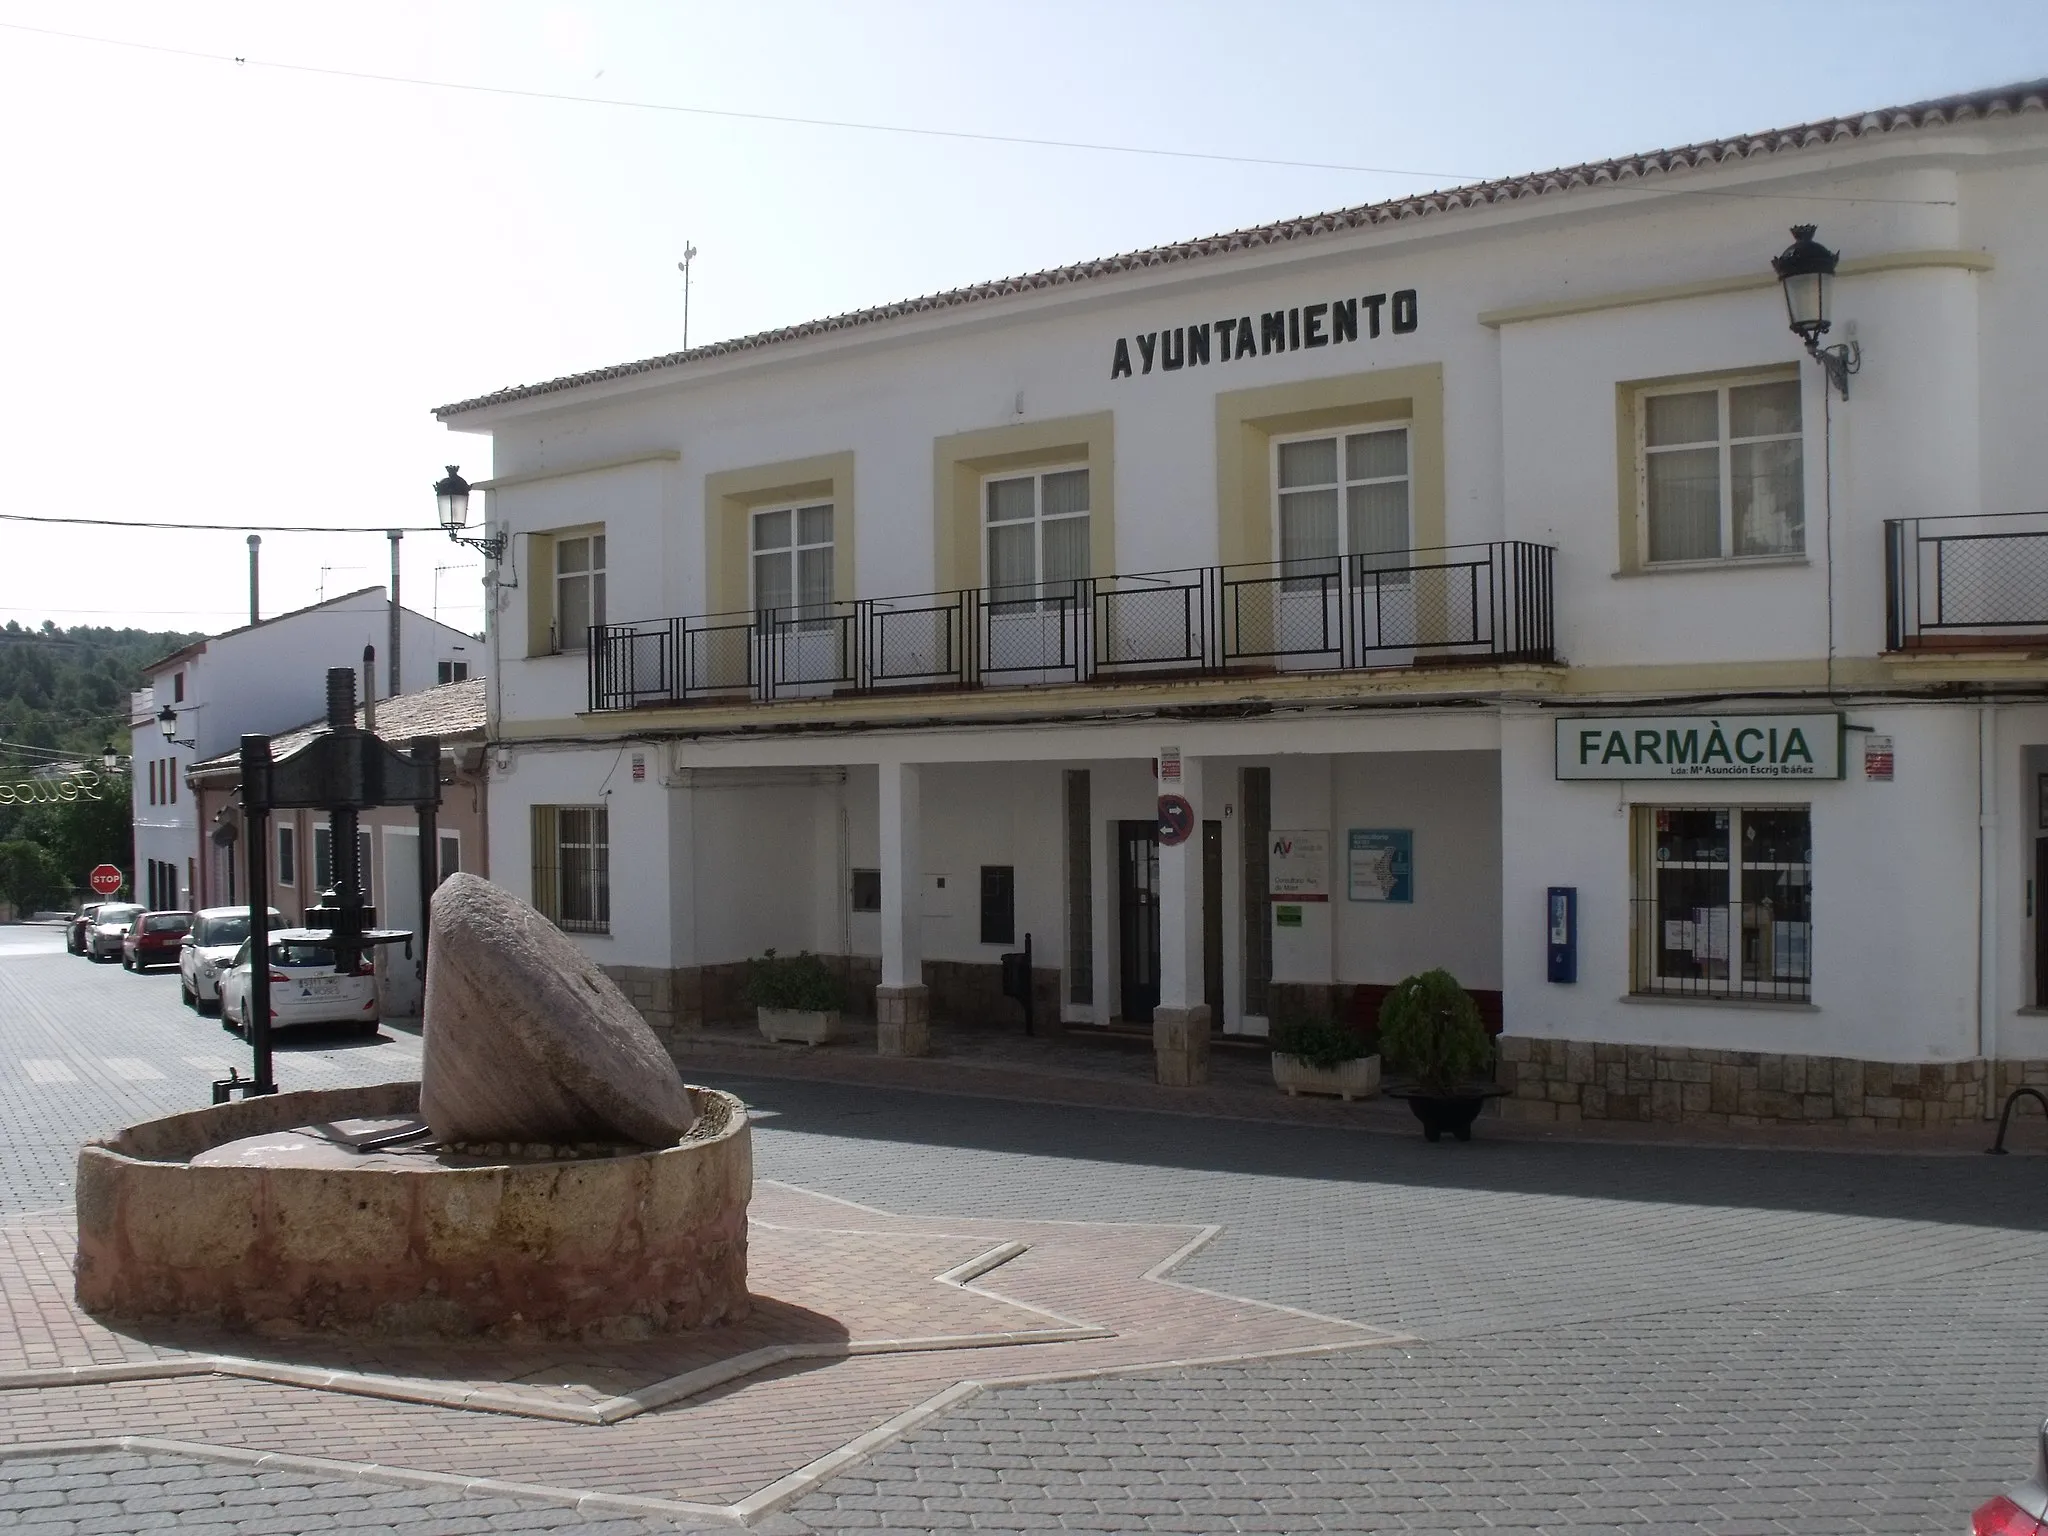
(800, 1025)
(1355, 1079)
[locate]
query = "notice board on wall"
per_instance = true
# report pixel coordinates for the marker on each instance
(1380, 864)
(1298, 864)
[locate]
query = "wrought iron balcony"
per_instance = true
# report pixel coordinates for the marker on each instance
(1472, 603)
(1956, 583)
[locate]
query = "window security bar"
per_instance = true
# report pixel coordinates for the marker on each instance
(1954, 582)
(1396, 608)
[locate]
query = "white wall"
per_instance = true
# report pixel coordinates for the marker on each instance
(1894, 900)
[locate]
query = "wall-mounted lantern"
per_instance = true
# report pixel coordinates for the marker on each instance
(1806, 268)
(451, 504)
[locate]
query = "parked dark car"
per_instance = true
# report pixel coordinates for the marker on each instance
(79, 926)
(108, 928)
(2022, 1510)
(154, 939)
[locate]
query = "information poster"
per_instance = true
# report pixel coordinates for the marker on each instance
(1298, 864)
(1381, 863)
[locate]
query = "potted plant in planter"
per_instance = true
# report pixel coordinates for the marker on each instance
(795, 997)
(1431, 1032)
(1323, 1056)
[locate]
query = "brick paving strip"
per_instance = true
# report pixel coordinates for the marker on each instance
(861, 1317)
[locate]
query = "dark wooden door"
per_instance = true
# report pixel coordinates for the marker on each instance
(2041, 922)
(1137, 910)
(1212, 921)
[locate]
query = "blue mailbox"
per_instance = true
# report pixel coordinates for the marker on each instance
(1564, 933)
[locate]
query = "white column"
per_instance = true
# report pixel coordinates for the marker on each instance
(1180, 1024)
(901, 1006)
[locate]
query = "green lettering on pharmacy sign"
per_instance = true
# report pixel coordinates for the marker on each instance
(1700, 747)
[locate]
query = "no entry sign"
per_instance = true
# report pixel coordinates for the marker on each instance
(105, 880)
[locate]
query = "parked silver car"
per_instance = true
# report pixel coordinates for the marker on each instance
(109, 927)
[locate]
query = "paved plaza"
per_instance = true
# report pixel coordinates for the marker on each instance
(1153, 1322)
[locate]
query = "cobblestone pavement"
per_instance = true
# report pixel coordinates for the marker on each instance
(1605, 1338)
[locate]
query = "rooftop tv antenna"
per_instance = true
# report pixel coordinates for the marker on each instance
(683, 266)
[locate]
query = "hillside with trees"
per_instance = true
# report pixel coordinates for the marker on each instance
(64, 695)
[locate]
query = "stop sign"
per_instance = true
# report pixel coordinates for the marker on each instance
(105, 880)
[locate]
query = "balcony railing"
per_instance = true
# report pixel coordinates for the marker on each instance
(1477, 602)
(1955, 582)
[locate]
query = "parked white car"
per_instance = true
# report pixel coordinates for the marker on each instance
(217, 932)
(109, 927)
(304, 987)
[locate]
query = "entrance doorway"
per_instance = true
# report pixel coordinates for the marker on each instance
(1137, 917)
(1137, 905)
(2041, 922)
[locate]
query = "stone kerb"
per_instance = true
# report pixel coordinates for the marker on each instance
(622, 1246)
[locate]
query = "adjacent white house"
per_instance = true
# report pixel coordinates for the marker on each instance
(267, 676)
(1488, 580)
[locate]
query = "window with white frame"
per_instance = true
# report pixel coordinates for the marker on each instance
(1721, 469)
(579, 589)
(323, 859)
(451, 672)
(1037, 534)
(1723, 902)
(1343, 496)
(572, 873)
(451, 854)
(792, 550)
(287, 855)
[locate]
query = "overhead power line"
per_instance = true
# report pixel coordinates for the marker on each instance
(726, 112)
(124, 522)
(910, 131)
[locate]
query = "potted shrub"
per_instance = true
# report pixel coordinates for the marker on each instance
(795, 997)
(1431, 1033)
(1323, 1056)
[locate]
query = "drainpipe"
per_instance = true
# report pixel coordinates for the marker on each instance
(255, 545)
(1987, 900)
(397, 680)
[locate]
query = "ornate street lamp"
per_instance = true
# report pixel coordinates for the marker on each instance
(451, 503)
(1806, 268)
(167, 722)
(110, 759)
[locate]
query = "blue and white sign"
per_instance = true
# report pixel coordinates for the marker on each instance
(1381, 863)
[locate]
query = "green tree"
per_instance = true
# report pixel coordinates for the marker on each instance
(29, 878)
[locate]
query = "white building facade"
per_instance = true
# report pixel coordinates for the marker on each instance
(265, 677)
(1486, 581)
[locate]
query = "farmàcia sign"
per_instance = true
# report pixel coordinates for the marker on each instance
(1700, 747)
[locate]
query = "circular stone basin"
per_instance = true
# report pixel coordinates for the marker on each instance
(258, 1216)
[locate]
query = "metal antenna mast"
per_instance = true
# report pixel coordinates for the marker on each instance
(683, 266)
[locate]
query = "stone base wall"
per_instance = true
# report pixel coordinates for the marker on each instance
(971, 992)
(1569, 1080)
(612, 1248)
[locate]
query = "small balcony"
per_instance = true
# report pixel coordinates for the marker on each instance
(1960, 584)
(1471, 604)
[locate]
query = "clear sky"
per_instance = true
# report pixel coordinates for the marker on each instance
(234, 292)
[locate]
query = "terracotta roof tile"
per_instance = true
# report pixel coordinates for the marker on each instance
(451, 711)
(2001, 101)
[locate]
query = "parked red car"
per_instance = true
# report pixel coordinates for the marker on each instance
(154, 939)
(2022, 1510)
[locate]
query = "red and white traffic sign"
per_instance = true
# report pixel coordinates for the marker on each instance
(105, 880)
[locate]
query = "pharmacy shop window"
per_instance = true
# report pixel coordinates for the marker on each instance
(1720, 471)
(1723, 902)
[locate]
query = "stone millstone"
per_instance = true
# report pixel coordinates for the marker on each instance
(528, 1041)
